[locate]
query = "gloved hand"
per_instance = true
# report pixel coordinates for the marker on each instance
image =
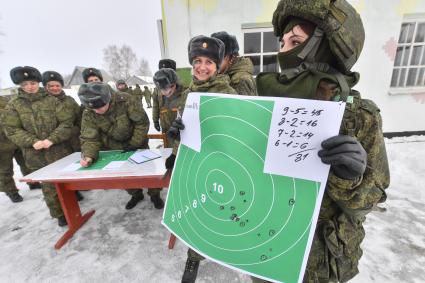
(156, 125)
(169, 162)
(176, 127)
(128, 148)
(346, 156)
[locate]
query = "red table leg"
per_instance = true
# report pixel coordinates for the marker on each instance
(171, 241)
(72, 212)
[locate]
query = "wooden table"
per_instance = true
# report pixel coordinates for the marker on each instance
(67, 180)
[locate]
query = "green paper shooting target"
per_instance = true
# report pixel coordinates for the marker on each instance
(221, 202)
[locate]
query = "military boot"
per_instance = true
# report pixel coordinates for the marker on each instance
(190, 271)
(134, 200)
(16, 197)
(34, 186)
(158, 203)
(62, 221)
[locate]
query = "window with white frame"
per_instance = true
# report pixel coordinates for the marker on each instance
(261, 46)
(409, 65)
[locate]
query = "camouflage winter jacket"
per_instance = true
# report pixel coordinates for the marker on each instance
(126, 90)
(124, 124)
(168, 108)
(5, 144)
(138, 92)
(336, 251)
(241, 74)
(147, 94)
(155, 105)
(29, 118)
(70, 103)
(216, 84)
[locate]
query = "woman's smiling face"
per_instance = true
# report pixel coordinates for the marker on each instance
(203, 68)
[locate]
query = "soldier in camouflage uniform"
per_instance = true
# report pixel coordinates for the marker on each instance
(137, 92)
(8, 151)
(239, 69)
(41, 126)
(163, 63)
(122, 86)
(320, 44)
(114, 121)
(91, 75)
(148, 95)
(53, 84)
(168, 100)
(205, 55)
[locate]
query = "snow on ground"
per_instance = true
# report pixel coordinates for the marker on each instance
(117, 245)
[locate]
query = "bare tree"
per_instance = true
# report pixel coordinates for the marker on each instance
(119, 61)
(112, 61)
(143, 68)
(128, 60)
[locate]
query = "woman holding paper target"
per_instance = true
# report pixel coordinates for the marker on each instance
(205, 55)
(320, 42)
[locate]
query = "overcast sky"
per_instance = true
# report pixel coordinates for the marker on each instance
(59, 35)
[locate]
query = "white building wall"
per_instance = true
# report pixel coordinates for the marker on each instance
(382, 20)
(185, 19)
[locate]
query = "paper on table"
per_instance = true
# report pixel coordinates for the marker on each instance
(143, 156)
(114, 165)
(72, 167)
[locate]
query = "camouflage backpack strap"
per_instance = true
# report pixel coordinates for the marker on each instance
(344, 87)
(312, 46)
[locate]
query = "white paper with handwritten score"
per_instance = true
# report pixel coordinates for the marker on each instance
(297, 129)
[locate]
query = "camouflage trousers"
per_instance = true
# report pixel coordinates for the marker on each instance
(169, 142)
(52, 200)
(7, 184)
(151, 192)
(148, 101)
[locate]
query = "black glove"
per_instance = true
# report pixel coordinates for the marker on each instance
(169, 162)
(156, 125)
(346, 156)
(128, 148)
(176, 127)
